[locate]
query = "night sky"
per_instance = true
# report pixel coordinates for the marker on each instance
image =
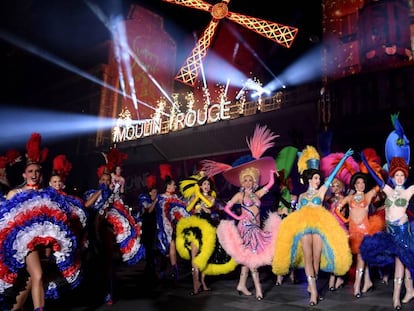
(69, 30)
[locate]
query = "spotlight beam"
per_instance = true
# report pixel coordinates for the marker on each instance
(52, 125)
(24, 45)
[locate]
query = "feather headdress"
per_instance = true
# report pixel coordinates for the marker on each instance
(35, 155)
(308, 158)
(151, 181)
(261, 140)
(349, 168)
(165, 171)
(397, 143)
(12, 156)
(61, 166)
(115, 158)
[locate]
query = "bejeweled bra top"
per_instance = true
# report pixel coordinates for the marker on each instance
(399, 202)
(315, 201)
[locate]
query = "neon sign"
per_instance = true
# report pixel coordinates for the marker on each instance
(128, 129)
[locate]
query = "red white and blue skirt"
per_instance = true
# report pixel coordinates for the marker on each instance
(33, 220)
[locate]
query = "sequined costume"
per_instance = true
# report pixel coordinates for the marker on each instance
(381, 248)
(368, 226)
(311, 218)
(248, 243)
(30, 219)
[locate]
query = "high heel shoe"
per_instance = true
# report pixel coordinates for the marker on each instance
(358, 295)
(244, 292)
(259, 298)
(368, 289)
(194, 293)
(332, 289)
(278, 283)
(397, 307)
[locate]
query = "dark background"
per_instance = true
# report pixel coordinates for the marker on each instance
(70, 31)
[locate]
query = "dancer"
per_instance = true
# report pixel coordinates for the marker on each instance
(196, 234)
(314, 227)
(110, 224)
(37, 228)
(116, 158)
(360, 224)
(147, 203)
(396, 245)
(170, 209)
(336, 194)
(249, 244)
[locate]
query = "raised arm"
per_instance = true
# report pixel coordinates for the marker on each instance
(328, 181)
(371, 171)
(261, 192)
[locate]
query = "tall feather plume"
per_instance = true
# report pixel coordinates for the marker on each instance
(329, 162)
(62, 166)
(212, 168)
(33, 152)
(115, 158)
(308, 153)
(151, 181)
(165, 171)
(261, 140)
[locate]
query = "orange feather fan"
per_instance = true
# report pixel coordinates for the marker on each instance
(374, 161)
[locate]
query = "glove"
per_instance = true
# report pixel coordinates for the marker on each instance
(371, 171)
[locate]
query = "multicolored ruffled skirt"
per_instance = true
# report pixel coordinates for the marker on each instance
(336, 255)
(32, 220)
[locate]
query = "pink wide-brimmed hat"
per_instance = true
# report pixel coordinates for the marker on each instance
(261, 140)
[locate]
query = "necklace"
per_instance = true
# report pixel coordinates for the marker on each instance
(311, 192)
(358, 197)
(251, 195)
(397, 191)
(35, 187)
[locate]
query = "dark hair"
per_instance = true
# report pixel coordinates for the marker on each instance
(308, 174)
(168, 180)
(200, 182)
(356, 176)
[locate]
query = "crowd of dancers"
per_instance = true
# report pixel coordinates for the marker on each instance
(336, 223)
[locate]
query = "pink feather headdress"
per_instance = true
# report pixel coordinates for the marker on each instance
(261, 140)
(349, 168)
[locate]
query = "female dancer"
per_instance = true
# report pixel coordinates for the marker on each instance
(37, 226)
(313, 227)
(337, 189)
(196, 234)
(360, 225)
(110, 224)
(169, 210)
(249, 244)
(396, 245)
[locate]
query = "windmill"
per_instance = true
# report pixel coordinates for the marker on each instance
(281, 34)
